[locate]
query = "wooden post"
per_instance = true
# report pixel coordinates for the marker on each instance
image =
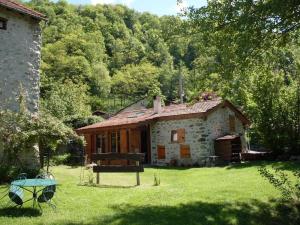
(98, 174)
(98, 178)
(137, 174)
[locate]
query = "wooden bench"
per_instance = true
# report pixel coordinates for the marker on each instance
(136, 167)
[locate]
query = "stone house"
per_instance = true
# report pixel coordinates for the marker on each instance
(170, 135)
(20, 53)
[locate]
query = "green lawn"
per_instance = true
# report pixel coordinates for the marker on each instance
(225, 195)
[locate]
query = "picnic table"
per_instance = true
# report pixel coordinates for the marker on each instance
(33, 186)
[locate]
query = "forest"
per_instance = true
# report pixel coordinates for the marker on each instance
(106, 56)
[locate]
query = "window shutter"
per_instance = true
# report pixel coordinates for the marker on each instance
(161, 152)
(181, 135)
(185, 151)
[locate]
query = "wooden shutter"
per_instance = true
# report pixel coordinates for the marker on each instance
(135, 140)
(123, 141)
(185, 151)
(231, 123)
(181, 135)
(161, 152)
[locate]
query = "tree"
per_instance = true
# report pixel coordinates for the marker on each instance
(67, 100)
(136, 80)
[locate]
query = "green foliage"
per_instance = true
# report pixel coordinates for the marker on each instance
(281, 180)
(67, 100)
(21, 132)
(249, 57)
(60, 159)
(77, 122)
(140, 80)
(8, 173)
(156, 180)
(245, 51)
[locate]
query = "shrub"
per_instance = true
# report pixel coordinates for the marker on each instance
(289, 186)
(60, 159)
(77, 122)
(8, 173)
(156, 180)
(20, 132)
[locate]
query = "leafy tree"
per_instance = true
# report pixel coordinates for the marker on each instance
(67, 100)
(136, 80)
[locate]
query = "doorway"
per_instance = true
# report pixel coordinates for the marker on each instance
(145, 144)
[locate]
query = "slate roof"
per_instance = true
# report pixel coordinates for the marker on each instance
(172, 111)
(21, 9)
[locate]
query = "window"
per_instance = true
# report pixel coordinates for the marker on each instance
(115, 141)
(185, 151)
(178, 135)
(161, 152)
(174, 136)
(100, 143)
(3, 23)
(231, 123)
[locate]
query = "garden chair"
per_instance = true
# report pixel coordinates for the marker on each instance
(22, 176)
(46, 196)
(47, 175)
(16, 195)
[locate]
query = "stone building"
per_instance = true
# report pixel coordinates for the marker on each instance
(171, 135)
(20, 53)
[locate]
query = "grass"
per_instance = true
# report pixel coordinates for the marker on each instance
(225, 195)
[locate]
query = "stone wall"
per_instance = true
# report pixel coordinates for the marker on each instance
(20, 55)
(19, 60)
(200, 134)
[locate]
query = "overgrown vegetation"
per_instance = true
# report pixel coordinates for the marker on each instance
(288, 185)
(25, 137)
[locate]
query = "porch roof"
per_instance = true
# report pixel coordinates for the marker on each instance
(180, 111)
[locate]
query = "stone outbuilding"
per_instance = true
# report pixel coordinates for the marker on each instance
(20, 54)
(179, 134)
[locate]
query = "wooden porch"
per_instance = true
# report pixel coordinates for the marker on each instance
(133, 139)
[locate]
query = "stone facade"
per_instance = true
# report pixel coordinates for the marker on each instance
(200, 134)
(20, 52)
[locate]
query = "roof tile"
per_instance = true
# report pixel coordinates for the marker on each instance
(22, 9)
(143, 115)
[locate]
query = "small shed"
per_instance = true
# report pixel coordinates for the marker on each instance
(229, 148)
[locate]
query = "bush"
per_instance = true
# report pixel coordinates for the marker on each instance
(60, 159)
(9, 173)
(77, 122)
(20, 132)
(289, 186)
(156, 180)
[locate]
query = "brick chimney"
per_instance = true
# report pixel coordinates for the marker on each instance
(157, 105)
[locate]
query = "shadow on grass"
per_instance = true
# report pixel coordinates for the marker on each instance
(19, 212)
(169, 167)
(107, 186)
(252, 213)
(291, 166)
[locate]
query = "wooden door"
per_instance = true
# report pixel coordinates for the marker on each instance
(135, 141)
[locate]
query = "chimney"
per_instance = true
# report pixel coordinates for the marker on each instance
(157, 105)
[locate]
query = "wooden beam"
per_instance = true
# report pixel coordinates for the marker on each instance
(117, 169)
